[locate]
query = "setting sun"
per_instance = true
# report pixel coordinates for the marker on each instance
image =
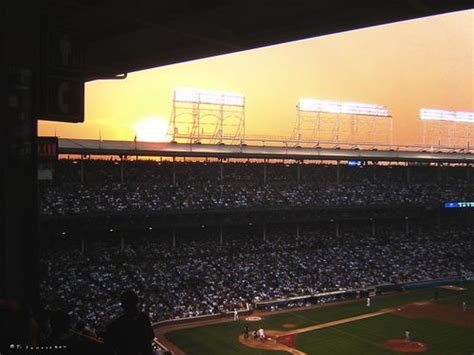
(152, 130)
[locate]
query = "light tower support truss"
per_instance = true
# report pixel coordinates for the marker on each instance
(206, 116)
(451, 129)
(330, 122)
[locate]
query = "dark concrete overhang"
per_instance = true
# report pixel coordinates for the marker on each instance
(122, 36)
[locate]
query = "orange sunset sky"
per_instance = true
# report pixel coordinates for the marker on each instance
(423, 63)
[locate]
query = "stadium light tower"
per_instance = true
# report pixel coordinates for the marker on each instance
(447, 128)
(342, 122)
(207, 115)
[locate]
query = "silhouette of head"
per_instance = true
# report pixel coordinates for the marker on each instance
(60, 322)
(129, 301)
(80, 325)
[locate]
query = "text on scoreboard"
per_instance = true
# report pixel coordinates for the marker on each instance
(459, 205)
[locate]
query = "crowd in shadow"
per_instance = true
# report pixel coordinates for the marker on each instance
(203, 277)
(149, 187)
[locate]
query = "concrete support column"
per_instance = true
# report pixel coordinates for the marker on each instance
(221, 234)
(82, 169)
(264, 171)
(337, 228)
(298, 171)
(407, 227)
(408, 174)
(174, 171)
(20, 54)
(438, 213)
(121, 170)
(221, 165)
(173, 232)
(82, 244)
(338, 173)
(297, 230)
(122, 242)
(373, 227)
(264, 232)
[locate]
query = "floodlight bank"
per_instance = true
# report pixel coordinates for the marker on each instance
(209, 97)
(351, 108)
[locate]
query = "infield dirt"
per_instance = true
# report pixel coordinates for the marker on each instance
(274, 342)
(286, 340)
(402, 346)
(442, 312)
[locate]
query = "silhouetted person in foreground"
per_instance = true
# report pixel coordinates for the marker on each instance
(17, 325)
(60, 326)
(131, 333)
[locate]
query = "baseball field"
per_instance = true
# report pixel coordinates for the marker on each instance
(438, 326)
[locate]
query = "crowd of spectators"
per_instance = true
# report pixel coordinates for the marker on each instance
(149, 186)
(202, 276)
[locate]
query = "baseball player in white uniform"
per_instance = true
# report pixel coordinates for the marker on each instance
(236, 314)
(407, 336)
(368, 301)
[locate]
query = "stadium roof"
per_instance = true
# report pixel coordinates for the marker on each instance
(121, 36)
(131, 148)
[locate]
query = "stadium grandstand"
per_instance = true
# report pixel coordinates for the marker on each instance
(206, 229)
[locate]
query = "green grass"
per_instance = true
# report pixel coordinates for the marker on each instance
(456, 298)
(359, 337)
(369, 335)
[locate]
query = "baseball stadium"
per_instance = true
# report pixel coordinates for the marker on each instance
(252, 252)
(236, 177)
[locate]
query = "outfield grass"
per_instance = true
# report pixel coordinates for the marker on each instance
(360, 337)
(368, 336)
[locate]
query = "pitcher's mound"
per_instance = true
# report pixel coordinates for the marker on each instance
(406, 347)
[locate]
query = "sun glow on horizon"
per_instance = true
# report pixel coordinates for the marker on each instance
(152, 130)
